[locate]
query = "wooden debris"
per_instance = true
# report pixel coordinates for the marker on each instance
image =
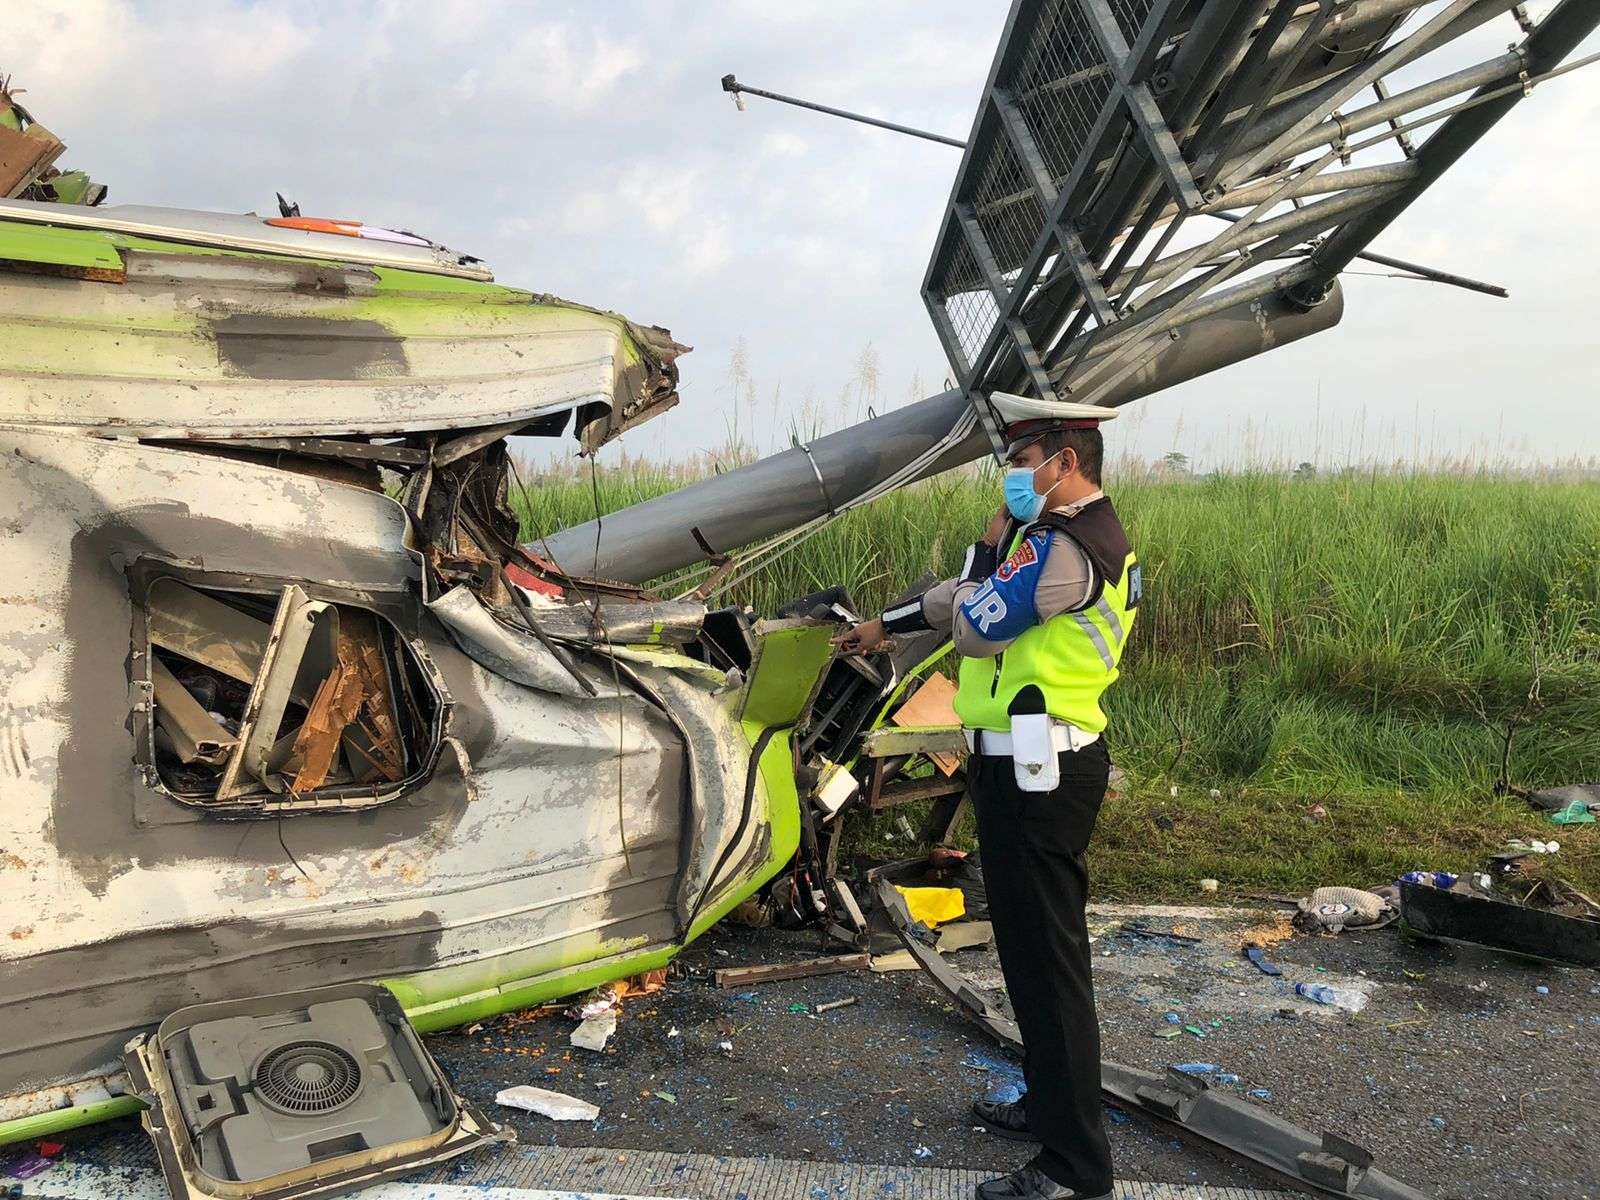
(774, 972)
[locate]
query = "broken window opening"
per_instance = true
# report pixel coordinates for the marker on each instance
(265, 703)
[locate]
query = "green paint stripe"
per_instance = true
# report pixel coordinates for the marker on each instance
(21, 242)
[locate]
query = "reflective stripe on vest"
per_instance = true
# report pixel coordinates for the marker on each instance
(1071, 658)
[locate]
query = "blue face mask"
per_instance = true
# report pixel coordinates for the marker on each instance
(1021, 499)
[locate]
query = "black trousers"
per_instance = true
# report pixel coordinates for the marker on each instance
(1032, 848)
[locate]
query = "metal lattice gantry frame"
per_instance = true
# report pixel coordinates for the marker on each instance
(1067, 257)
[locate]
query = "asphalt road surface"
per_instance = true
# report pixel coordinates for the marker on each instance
(1460, 1075)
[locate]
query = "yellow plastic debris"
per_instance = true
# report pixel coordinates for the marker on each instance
(931, 905)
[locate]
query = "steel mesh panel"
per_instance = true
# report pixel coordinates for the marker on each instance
(1131, 16)
(1062, 82)
(966, 299)
(1005, 204)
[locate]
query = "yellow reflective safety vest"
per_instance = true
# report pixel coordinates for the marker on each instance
(1064, 664)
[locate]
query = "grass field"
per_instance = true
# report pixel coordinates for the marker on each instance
(1361, 641)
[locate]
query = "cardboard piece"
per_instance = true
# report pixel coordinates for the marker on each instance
(932, 704)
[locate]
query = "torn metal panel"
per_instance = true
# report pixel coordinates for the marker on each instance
(1456, 916)
(297, 620)
(196, 736)
(203, 628)
(644, 623)
(512, 654)
(1325, 1166)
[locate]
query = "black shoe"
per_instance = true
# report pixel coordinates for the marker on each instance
(1030, 1183)
(1004, 1120)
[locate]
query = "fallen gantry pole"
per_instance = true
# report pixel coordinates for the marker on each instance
(1325, 1165)
(786, 490)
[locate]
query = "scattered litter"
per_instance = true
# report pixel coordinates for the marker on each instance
(748, 997)
(667, 1096)
(797, 1007)
(934, 905)
(1197, 1068)
(1140, 929)
(1226, 1077)
(1196, 1030)
(1215, 793)
(555, 1105)
(1436, 1122)
(1010, 1085)
(964, 935)
(1260, 1093)
(1346, 998)
(725, 1046)
(917, 1124)
(27, 1165)
(595, 1031)
(898, 960)
(1169, 1031)
(1172, 1018)
(674, 1032)
(1542, 990)
(833, 1004)
(1258, 956)
(1576, 813)
(1117, 1117)
(1531, 846)
(1438, 879)
(922, 1152)
(1317, 813)
(1209, 885)
(1334, 909)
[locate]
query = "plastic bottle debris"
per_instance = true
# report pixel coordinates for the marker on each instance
(1197, 1068)
(1345, 998)
(595, 1032)
(922, 1152)
(1172, 1018)
(1226, 1077)
(1169, 1031)
(1436, 1122)
(555, 1105)
(1542, 990)
(1442, 880)
(1260, 1093)
(1196, 1030)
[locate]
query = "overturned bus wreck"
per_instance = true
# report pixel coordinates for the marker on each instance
(287, 704)
(304, 749)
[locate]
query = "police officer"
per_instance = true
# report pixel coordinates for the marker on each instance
(1040, 626)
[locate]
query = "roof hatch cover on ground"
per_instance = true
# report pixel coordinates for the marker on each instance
(310, 1093)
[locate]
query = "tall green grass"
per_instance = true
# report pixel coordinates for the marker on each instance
(1365, 633)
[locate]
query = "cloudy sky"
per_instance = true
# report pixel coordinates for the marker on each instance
(587, 150)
